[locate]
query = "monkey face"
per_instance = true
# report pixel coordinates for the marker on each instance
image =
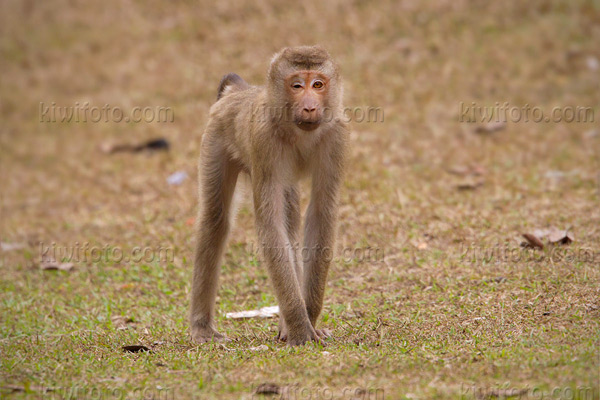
(307, 92)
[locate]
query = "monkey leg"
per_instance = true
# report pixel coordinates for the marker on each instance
(218, 178)
(317, 257)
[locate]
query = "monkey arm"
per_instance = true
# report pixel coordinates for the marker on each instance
(319, 236)
(319, 228)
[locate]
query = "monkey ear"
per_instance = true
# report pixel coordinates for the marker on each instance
(274, 58)
(275, 67)
(277, 56)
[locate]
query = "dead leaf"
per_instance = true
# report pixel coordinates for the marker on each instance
(153, 144)
(490, 127)
(268, 388)
(555, 235)
(120, 322)
(533, 241)
(470, 184)
(135, 348)
(56, 266)
(560, 237)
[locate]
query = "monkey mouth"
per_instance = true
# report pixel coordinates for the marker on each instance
(308, 125)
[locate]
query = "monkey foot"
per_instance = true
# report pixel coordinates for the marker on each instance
(320, 336)
(207, 335)
(282, 335)
(324, 333)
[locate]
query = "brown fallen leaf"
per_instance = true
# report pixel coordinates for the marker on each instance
(533, 240)
(135, 348)
(490, 127)
(153, 144)
(56, 266)
(120, 322)
(470, 184)
(557, 236)
(268, 388)
(554, 235)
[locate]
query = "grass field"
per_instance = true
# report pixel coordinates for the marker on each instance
(430, 295)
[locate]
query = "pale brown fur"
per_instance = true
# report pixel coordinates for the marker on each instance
(275, 134)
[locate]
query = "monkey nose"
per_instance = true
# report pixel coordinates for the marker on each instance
(309, 111)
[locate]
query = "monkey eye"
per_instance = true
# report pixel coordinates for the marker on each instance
(297, 85)
(318, 84)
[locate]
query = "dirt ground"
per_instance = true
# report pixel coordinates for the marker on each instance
(431, 293)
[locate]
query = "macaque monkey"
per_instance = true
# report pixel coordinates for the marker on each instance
(276, 134)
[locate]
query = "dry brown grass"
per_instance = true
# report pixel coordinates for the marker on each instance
(423, 322)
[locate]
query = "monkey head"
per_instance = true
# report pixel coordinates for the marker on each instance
(304, 87)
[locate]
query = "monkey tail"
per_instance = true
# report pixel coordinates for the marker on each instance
(231, 80)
